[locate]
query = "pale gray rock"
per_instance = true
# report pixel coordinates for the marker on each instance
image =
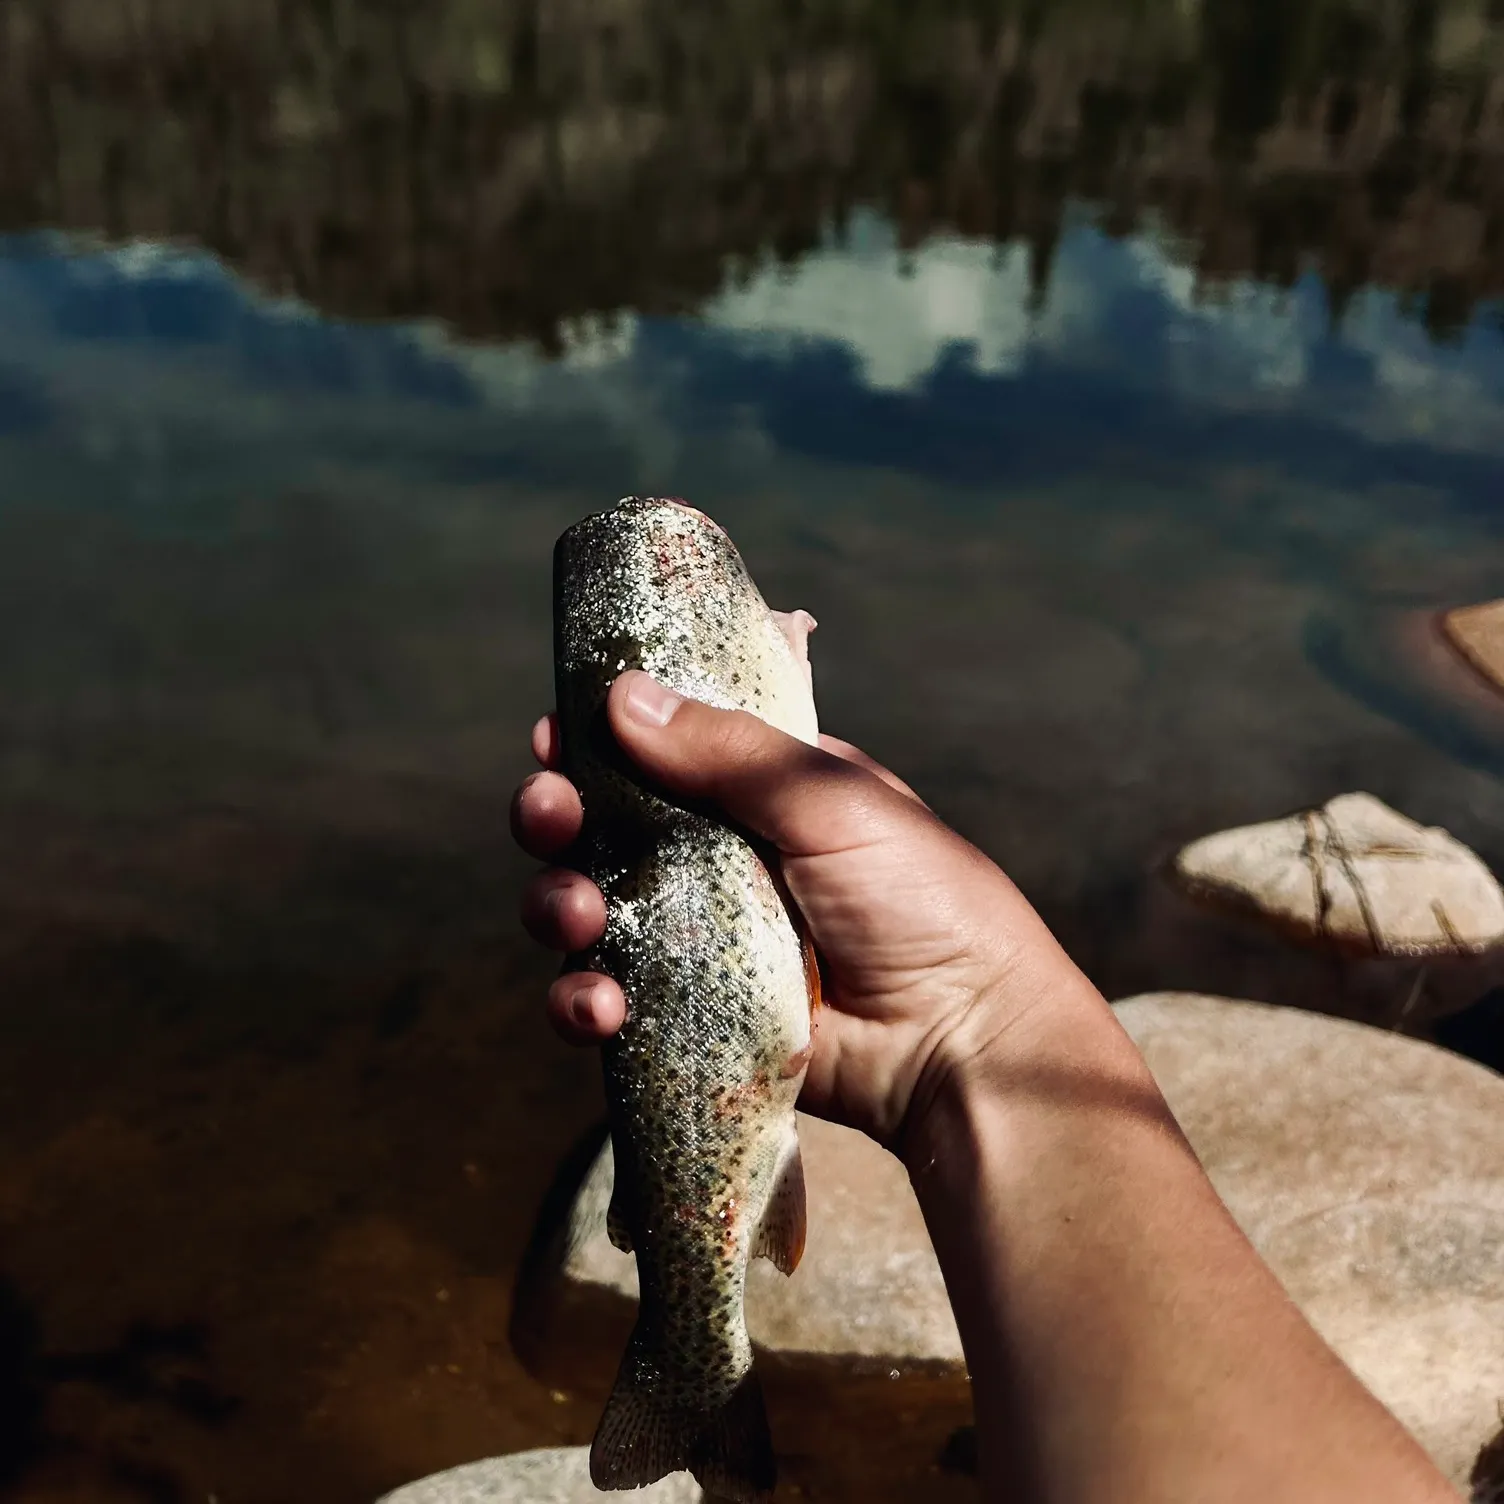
(1477, 632)
(1357, 874)
(1368, 1170)
(550, 1475)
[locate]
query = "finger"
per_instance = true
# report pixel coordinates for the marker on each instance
(563, 910)
(872, 765)
(803, 799)
(585, 1007)
(546, 740)
(546, 815)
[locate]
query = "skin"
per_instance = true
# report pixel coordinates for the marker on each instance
(1124, 1339)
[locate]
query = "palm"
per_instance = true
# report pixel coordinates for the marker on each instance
(911, 922)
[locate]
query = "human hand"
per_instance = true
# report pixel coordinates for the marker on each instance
(929, 955)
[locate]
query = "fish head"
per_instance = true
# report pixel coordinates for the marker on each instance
(653, 583)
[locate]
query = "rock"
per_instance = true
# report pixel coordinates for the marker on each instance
(1355, 874)
(550, 1475)
(1477, 632)
(1368, 1169)
(858, 1351)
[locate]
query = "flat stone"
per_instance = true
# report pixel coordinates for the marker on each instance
(1477, 632)
(1357, 875)
(858, 1350)
(1368, 1169)
(550, 1475)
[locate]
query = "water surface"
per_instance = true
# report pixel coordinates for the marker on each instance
(1113, 415)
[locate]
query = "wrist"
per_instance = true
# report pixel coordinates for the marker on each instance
(1057, 1050)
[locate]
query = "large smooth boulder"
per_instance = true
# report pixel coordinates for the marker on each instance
(858, 1351)
(550, 1475)
(1477, 632)
(1368, 1169)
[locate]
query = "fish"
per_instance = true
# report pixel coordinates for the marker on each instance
(720, 979)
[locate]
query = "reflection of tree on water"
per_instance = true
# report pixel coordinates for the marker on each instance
(512, 166)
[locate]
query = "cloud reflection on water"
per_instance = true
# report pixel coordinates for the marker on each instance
(950, 331)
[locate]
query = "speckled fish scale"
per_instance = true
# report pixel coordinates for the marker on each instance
(720, 984)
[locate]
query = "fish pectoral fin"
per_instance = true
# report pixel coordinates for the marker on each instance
(617, 1227)
(641, 1439)
(780, 1234)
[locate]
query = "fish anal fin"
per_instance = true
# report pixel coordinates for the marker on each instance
(811, 970)
(641, 1439)
(618, 1229)
(781, 1233)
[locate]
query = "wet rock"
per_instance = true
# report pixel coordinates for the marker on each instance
(1354, 874)
(858, 1351)
(1368, 1169)
(550, 1475)
(1477, 632)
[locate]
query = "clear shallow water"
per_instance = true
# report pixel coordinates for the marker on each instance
(1103, 559)
(1102, 571)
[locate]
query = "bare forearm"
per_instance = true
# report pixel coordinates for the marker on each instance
(1125, 1341)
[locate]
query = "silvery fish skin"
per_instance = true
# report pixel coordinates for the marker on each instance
(720, 984)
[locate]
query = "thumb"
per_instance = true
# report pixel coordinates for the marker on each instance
(804, 800)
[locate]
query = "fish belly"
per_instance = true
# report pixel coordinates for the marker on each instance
(701, 1085)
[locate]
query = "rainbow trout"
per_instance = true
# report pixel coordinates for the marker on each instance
(720, 984)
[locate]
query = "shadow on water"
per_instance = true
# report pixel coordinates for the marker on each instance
(1366, 655)
(1478, 1031)
(166, 1365)
(22, 1432)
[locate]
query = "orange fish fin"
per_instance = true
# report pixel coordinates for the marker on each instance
(618, 1229)
(641, 1439)
(811, 969)
(780, 1234)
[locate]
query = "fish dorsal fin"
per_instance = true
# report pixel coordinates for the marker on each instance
(780, 1234)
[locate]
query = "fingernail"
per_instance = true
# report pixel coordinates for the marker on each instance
(579, 1006)
(649, 702)
(553, 902)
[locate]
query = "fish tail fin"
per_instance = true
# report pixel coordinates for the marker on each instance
(641, 1439)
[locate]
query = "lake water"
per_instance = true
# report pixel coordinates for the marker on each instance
(1117, 393)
